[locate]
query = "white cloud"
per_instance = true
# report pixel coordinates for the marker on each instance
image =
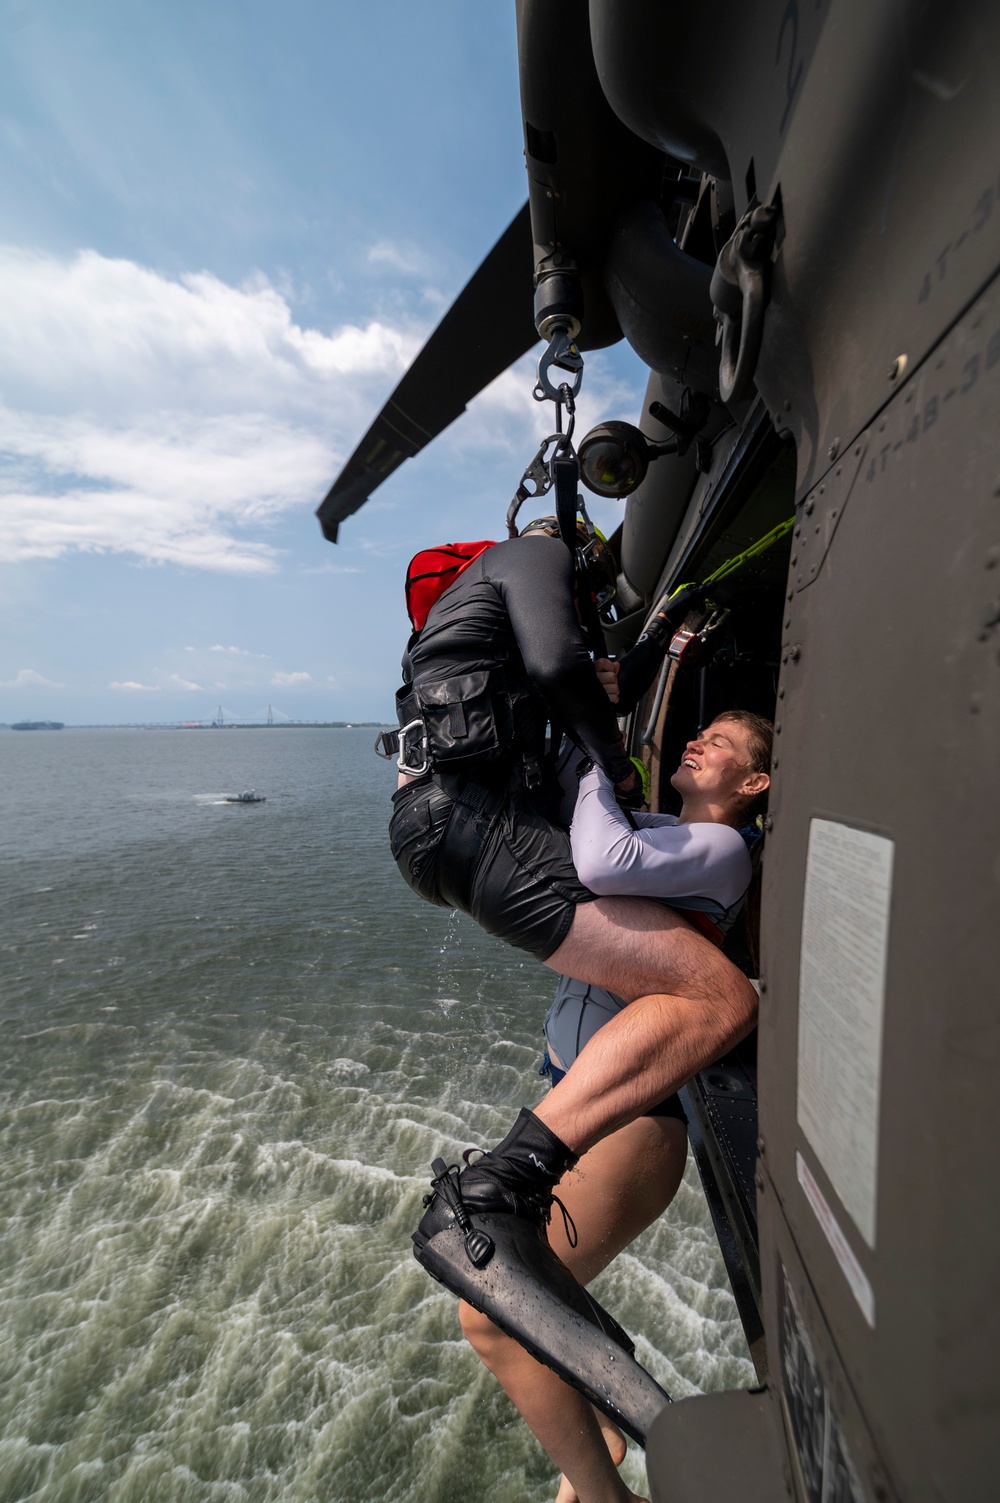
(286, 680)
(238, 651)
(104, 328)
(506, 416)
(130, 684)
(25, 678)
(183, 683)
(178, 420)
(175, 420)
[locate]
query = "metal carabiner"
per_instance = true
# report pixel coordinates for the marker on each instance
(539, 472)
(567, 400)
(715, 620)
(401, 762)
(561, 352)
(536, 480)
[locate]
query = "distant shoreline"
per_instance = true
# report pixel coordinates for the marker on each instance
(241, 725)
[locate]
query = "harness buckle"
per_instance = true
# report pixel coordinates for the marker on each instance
(531, 773)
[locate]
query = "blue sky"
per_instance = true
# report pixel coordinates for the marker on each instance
(224, 232)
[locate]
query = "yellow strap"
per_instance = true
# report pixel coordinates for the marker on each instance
(644, 777)
(761, 546)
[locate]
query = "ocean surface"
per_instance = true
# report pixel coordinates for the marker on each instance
(231, 1042)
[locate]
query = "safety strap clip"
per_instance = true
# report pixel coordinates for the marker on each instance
(686, 645)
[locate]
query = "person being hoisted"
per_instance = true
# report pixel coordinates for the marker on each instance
(502, 653)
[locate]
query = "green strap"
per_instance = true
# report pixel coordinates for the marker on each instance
(761, 546)
(645, 777)
(733, 565)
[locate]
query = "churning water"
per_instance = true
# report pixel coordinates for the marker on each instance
(232, 1041)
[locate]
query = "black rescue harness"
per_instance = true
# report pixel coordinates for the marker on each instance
(477, 720)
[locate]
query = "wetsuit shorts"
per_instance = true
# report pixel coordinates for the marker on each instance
(576, 1014)
(491, 852)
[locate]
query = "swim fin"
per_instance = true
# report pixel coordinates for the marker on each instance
(501, 1264)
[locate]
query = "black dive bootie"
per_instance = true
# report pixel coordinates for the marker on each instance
(483, 1237)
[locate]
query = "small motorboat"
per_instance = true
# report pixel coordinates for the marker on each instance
(248, 796)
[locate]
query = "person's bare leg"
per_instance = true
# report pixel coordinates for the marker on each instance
(617, 1449)
(616, 1190)
(688, 1005)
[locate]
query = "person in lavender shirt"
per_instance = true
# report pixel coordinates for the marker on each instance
(698, 863)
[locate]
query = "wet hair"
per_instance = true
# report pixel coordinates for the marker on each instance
(760, 736)
(596, 547)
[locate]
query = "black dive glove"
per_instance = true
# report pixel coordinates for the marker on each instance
(637, 795)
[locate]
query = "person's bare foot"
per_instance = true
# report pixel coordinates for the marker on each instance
(616, 1444)
(567, 1494)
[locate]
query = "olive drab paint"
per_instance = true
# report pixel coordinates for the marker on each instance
(850, 1160)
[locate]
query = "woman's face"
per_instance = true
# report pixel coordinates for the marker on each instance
(716, 766)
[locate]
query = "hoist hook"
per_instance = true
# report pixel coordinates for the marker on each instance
(561, 352)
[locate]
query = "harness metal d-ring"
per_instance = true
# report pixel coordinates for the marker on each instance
(387, 744)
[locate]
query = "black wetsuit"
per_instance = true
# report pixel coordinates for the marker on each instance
(480, 839)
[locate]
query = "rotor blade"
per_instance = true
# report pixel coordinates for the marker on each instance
(486, 329)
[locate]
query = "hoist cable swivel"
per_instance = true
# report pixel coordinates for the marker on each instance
(558, 317)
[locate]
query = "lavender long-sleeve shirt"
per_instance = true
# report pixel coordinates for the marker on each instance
(695, 866)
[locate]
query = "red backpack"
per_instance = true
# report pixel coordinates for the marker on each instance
(432, 571)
